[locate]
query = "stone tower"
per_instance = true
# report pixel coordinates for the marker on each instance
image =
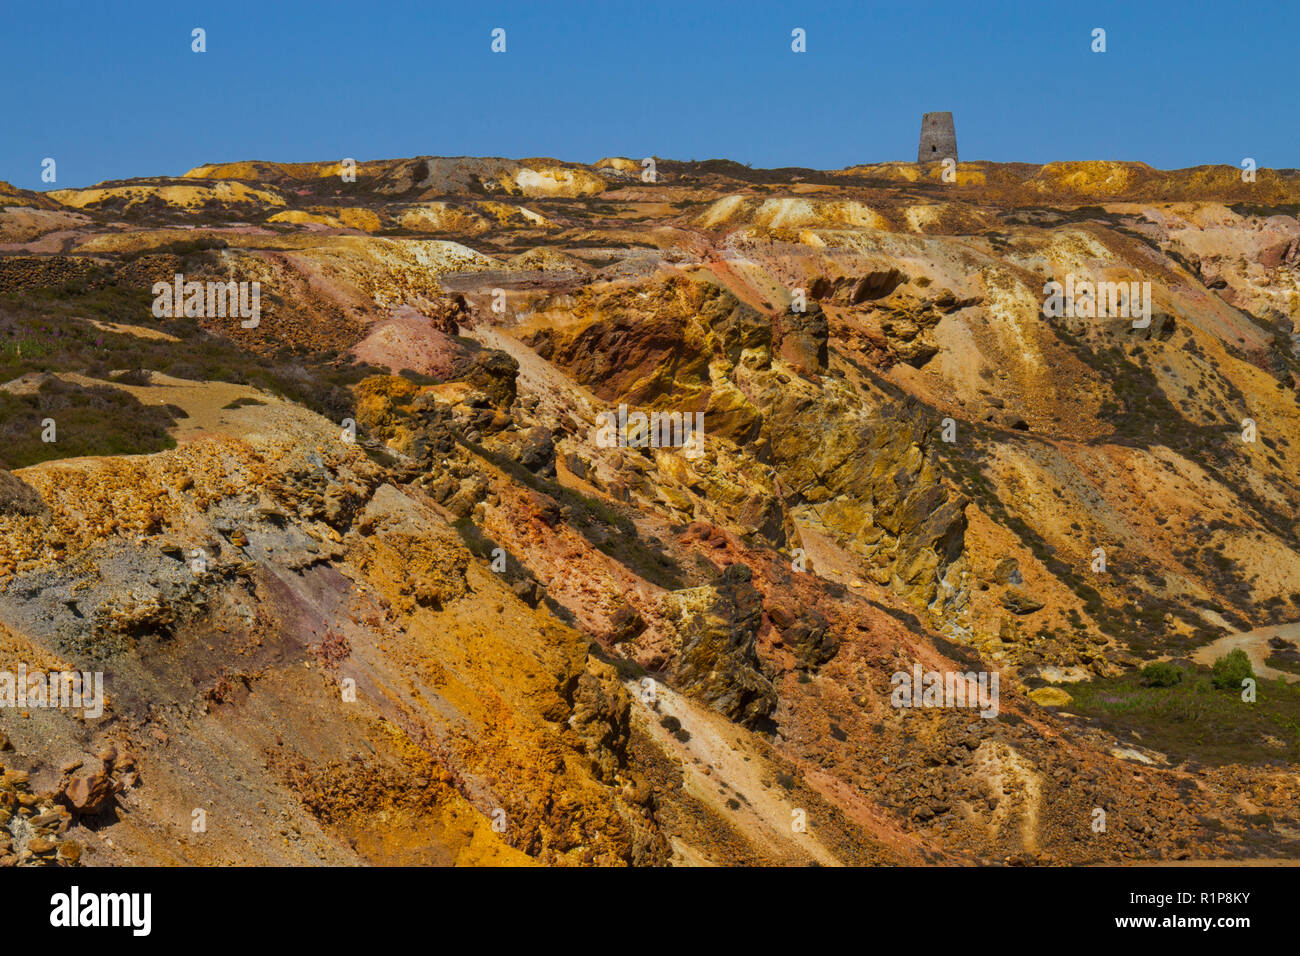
(938, 139)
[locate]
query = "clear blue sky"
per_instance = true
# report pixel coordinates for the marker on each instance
(111, 89)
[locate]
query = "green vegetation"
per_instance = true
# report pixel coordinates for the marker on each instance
(95, 420)
(1161, 674)
(49, 330)
(1231, 669)
(29, 348)
(1275, 209)
(1287, 661)
(179, 247)
(1195, 720)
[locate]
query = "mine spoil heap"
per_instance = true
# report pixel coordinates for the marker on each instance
(366, 585)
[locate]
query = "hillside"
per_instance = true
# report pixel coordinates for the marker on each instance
(366, 584)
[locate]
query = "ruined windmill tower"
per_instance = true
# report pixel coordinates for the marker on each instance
(938, 139)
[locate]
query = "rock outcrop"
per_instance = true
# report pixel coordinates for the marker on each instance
(715, 657)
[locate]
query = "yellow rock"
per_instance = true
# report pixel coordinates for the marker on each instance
(183, 197)
(790, 213)
(357, 218)
(443, 217)
(555, 181)
(1050, 697)
(298, 217)
(259, 171)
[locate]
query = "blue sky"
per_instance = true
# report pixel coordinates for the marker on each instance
(112, 90)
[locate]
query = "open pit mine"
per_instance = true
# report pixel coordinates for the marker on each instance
(495, 512)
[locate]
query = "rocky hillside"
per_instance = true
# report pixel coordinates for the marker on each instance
(368, 583)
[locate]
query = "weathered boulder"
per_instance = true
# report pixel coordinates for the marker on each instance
(1007, 571)
(716, 659)
(805, 340)
(874, 484)
(1019, 601)
(447, 312)
(491, 371)
(812, 640)
(88, 793)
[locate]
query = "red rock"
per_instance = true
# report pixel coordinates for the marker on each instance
(88, 792)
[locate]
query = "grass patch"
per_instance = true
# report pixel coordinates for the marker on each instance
(46, 330)
(95, 420)
(1284, 661)
(1194, 720)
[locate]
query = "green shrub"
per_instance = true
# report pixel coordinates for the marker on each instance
(1232, 669)
(1161, 674)
(90, 420)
